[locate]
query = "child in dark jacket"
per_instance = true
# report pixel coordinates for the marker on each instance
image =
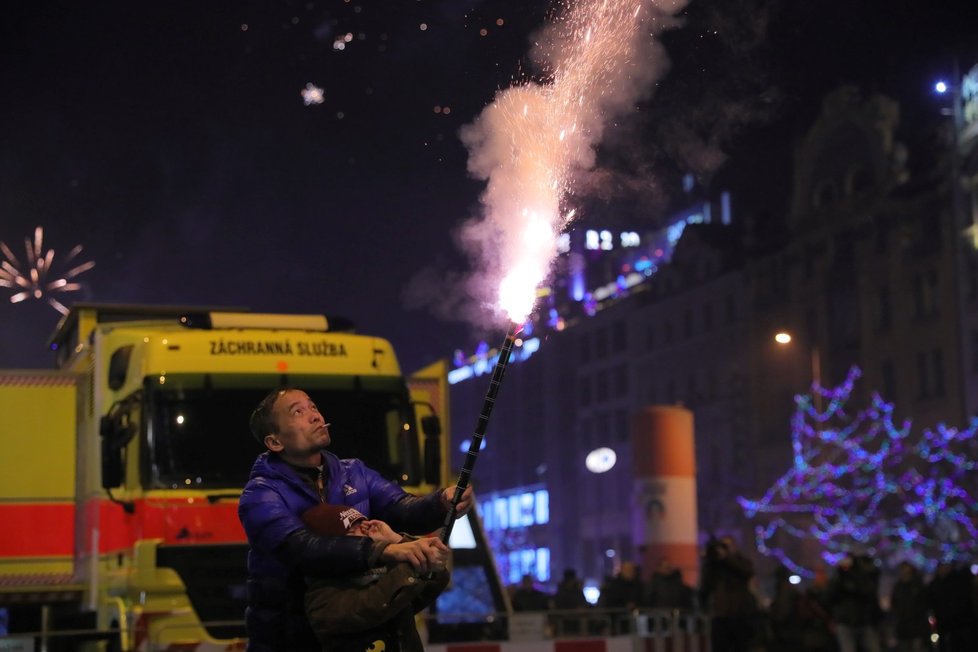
(370, 612)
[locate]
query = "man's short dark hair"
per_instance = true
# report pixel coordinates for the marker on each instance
(262, 423)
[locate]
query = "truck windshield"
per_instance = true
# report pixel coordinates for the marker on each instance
(197, 433)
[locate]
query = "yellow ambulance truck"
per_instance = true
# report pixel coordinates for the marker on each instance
(120, 471)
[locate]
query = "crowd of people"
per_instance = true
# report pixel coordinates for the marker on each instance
(620, 595)
(624, 590)
(840, 609)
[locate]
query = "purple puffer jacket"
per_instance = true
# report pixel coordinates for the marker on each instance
(269, 510)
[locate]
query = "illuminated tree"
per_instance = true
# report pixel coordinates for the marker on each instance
(860, 482)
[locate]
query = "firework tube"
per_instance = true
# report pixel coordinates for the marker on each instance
(480, 430)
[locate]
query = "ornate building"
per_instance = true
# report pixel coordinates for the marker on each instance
(875, 267)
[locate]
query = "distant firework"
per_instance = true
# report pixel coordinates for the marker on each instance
(312, 94)
(30, 281)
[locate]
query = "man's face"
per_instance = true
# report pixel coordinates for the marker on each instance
(301, 428)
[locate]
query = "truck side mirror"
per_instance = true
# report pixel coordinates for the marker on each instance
(118, 367)
(111, 453)
(431, 427)
(117, 428)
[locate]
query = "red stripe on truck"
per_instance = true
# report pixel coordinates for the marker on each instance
(37, 529)
(40, 529)
(176, 521)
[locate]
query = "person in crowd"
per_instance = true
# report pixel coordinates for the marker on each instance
(621, 595)
(785, 613)
(570, 592)
(624, 590)
(853, 598)
(374, 610)
(974, 597)
(296, 473)
(726, 596)
(949, 595)
(528, 597)
(908, 610)
(813, 614)
(667, 590)
(568, 598)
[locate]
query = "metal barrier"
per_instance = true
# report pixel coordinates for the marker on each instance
(598, 630)
(673, 631)
(183, 636)
(166, 637)
(55, 640)
(650, 630)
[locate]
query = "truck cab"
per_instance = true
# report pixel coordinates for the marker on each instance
(162, 450)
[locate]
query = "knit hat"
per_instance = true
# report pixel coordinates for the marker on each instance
(331, 520)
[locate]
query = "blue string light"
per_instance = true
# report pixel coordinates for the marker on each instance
(858, 482)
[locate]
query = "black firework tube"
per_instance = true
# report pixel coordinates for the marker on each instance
(480, 431)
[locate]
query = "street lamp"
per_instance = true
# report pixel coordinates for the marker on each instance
(963, 225)
(783, 338)
(600, 461)
(955, 111)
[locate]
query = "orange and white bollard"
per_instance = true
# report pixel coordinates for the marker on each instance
(664, 494)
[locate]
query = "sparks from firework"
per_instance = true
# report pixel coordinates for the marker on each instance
(33, 283)
(599, 57)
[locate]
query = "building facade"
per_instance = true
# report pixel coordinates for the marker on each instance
(876, 268)
(674, 337)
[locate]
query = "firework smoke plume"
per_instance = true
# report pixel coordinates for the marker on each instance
(597, 57)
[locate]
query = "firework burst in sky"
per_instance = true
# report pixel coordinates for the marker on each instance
(312, 94)
(31, 279)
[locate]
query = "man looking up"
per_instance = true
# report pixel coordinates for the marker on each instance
(296, 473)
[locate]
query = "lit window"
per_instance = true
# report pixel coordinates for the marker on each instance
(502, 514)
(485, 511)
(515, 511)
(630, 239)
(526, 509)
(543, 564)
(591, 240)
(515, 573)
(542, 514)
(563, 243)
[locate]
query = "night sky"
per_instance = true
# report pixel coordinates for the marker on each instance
(171, 140)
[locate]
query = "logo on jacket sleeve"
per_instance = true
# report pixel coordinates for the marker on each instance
(350, 516)
(348, 490)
